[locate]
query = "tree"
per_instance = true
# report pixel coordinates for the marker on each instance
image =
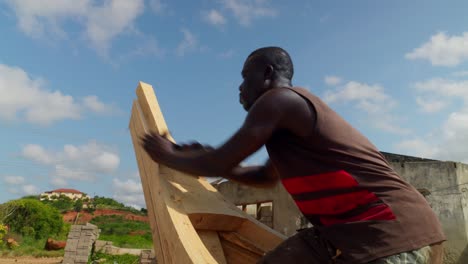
(33, 218)
(78, 205)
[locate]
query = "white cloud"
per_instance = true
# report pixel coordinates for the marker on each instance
(59, 182)
(93, 103)
(417, 147)
(460, 73)
(157, 6)
(37, 153)
(332, 80)
(111, 19)
(30, 189)
(14, 180)
(447, 143)
(129, 192)
(106, 162)
(81, 163)
(17, 185)
(369, 98)
(188, 44)
(444, 87)
(136, 175)
(443, 50)
(372, 100)
(247, 10)
(214, 17)
(102, 21)
(430, 105)
(26, 98)
(449, 140)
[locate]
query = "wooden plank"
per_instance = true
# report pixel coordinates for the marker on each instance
(261, 235)
(213, 244)
(151, 111)
(242, 242)
(238, 255)
(180, 241)
(144, 170)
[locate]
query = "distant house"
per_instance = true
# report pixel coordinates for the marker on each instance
(70, 193)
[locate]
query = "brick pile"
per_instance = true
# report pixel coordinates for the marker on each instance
(79, 243)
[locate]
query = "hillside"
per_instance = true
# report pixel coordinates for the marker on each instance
(84, 217)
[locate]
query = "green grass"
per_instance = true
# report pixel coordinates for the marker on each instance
(30, 247)
(117, 229)
(117, 259)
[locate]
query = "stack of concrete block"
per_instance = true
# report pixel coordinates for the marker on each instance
(265, 215)
(147, 257)
(101, 246)
(80, 243)
(107, 248)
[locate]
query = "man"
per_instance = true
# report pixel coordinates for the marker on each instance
(362, 211)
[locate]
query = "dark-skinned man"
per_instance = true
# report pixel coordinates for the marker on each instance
(361, 210)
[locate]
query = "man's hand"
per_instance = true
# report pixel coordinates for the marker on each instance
(158, 147)
(193, 146)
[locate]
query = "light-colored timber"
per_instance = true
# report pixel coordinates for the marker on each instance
(190, 221)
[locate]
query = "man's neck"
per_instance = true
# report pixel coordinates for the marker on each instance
(281, 82)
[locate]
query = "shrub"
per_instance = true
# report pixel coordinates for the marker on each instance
(33, 218)
(3, 232)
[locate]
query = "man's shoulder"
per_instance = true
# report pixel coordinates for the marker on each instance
(284, 95)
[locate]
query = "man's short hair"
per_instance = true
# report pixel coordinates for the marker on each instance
(277, 57)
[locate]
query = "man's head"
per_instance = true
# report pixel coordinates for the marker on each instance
(264, 69)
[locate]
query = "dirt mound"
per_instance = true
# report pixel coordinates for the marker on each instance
(85, 217)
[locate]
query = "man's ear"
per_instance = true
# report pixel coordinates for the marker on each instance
(269, 71)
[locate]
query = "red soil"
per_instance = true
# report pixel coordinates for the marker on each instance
(86, 217)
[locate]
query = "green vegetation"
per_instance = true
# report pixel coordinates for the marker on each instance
(30, 223)
(61, 203)
(32, 218)
(109, 203)
(29, 246)
(124, 233)
(111, 259)
(3, 232)
(65, 204)
(78, 206)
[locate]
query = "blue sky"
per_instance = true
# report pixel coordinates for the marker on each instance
(396, 70)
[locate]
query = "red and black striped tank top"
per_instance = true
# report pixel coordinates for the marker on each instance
(346, 188)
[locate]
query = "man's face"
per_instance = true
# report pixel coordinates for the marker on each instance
(252, 85)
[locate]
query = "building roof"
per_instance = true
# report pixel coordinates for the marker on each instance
(65, 191)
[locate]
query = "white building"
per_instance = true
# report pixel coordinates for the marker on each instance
(70, 193)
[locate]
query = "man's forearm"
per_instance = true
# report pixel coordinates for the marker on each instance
(201, 163)
(257, 176)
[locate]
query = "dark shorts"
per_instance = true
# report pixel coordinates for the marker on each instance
(305, 247)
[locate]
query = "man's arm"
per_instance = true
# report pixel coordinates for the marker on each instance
(258, 176)
(276, 109)
(265, 116)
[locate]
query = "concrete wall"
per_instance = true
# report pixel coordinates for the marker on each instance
(447, 198)
(286, 217)
(108, 248)
(447, 183)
